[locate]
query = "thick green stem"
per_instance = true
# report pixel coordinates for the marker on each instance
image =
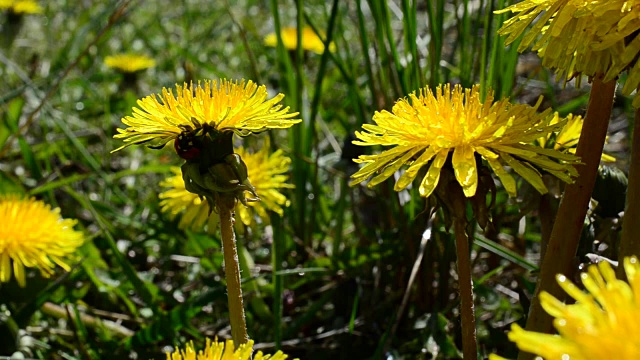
(630, 242)
(465, 287)
(545, 212)
(232, 271)
(573, 208)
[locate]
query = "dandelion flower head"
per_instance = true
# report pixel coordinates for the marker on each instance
(35, 236)
(241, 107)
(222, 351)
(567, 138)
(266, 172)
(129, 63)
(21, 6)
(310, 41)
(600, 325)
(427, 127)
(595, 37)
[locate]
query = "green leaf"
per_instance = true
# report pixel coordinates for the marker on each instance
(10, 118)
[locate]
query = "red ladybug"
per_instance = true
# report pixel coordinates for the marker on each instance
(186, 146)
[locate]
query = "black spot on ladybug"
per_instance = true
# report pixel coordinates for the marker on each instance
(186, 147)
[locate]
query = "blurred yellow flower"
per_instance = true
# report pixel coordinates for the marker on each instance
(241, 107)
(21, 6)
(129, 63)
(267, 174)
(430, 127)
(310, 41)
(602, 324)
(581, 37)
(567, 138)
(223, 351)
(34, 235)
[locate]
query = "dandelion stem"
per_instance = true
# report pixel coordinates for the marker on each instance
(465, 286)
(546, 214)
(573, 208)
(232, 270)
(629, 245)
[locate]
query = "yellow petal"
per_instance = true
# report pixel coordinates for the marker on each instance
(464, 167)
(432, 177)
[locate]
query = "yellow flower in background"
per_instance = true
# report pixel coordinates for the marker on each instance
(267, 174)
(21, 6)
(223, 351)
(176, 200)
(33, 235)
(581, 37)
(602, 324)
(241, 107)
(129, 63)
(567, 138)
(310, 41)
(428, 128)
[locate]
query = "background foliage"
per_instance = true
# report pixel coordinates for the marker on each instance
(333, 276)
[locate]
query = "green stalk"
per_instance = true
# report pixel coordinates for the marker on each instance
(465, 287)
(277, 257)
(232, 270)
(629, 244)
(364, 43)
(567, 228)
(545, 213)
(435, 15)
(484, 52)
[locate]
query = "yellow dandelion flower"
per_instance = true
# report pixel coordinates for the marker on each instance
(129, 63)
(34, 235)
(581, 37)
(195, 211)
(21, 6)
(600, 325)
(430, 127)
(241, 107)
(310, 41)
(223, 351)
(567, 138)
(267, 174)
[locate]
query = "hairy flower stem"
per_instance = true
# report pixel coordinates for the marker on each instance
(465, 287)
(629, 244)
(232, 270)
(573, 208)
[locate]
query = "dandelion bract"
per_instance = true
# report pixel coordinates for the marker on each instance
(266, 172)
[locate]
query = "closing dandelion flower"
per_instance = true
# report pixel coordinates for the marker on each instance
(240, 107)
(600, 325)
(567, 138)
(430, 127)
(310, 41)
(34, 235)
(223, 351)
(129, 63)
(598, 37)
(266, 172)
(21, 6)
